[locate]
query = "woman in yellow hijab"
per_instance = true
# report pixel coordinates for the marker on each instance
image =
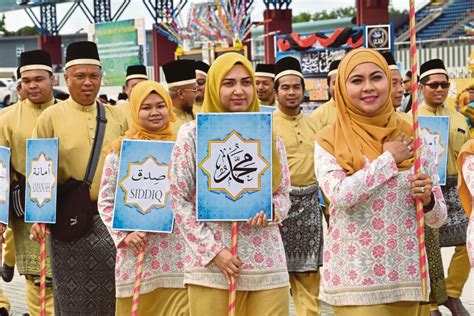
(466, 191)
(260, 266)
(162, 291)
(364, 164)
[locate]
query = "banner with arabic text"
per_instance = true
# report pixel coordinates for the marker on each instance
(41, 180)
(234, 158)
(142, 202)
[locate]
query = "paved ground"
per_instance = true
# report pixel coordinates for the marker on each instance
(16, 289)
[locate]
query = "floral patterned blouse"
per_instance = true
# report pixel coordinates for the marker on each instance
(371, 248)
(468, 173)
(260, 249)
(163, 264)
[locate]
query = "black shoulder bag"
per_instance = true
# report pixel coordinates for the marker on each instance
(75, 211)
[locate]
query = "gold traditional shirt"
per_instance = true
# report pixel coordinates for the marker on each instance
(197, 108)
(75, 125)
(126, 110)
(181, 118)
(16, 126)
(8, 108)
(458, 132)
(297, 133)
(324, 115)
(405, 116)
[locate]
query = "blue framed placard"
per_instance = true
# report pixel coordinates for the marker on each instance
(268, 108)
(41, 180)
(4, 184)
(435, 132)
(142, 202)
(234, 158)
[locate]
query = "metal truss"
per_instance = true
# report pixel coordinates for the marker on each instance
(157, 7)
(47, 22)
(277, 4)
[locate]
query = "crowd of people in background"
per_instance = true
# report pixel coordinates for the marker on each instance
(343, 180)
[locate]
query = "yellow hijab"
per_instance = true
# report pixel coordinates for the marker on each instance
(139, 93)
(464, 194)
(355, 135)
(212, 101)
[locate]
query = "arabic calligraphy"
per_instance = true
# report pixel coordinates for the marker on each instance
(146, 185)
(318, 62)
(234, 165)
(139, 176)
(230, 165)
(41, 179)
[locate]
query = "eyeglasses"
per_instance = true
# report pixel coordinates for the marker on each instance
(435, 85)
(201, 82)
(195, 90)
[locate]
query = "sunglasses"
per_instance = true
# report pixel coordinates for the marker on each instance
(201, 82)
(435, 85)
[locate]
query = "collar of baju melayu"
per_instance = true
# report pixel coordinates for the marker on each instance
(272, 104)
(279, 113)
(180, 113)
(434, 110)
(80, 107)
(41, 106)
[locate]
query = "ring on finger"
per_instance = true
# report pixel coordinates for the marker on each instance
(410, 147)
(422, 190)
(31, 237)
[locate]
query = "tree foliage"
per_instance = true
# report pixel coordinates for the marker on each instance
(24, 31)
(27, 30)
(348, 12)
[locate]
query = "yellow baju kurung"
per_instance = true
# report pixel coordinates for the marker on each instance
(16, 126)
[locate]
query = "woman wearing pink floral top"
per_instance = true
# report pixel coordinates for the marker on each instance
(162, 291)
(466, 191)
(262, 285)
(365, 167)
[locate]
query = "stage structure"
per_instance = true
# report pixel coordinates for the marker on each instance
(316, 51)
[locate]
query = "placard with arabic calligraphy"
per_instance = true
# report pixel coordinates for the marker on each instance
(234, 174)
(4, 183)
(435, 132)
(41, 180)
(142, 202)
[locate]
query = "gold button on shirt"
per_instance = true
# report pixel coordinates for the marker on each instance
(297, 133)
(181, 118)
(69, 121)
(324, 115)
(16, 126)
(458, 132)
